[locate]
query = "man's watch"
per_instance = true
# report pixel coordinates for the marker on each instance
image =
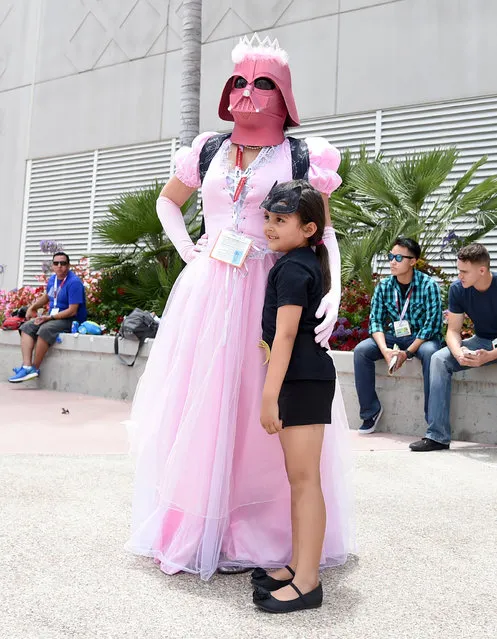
(409, 354)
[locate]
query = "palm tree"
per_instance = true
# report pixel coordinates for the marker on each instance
(190, 75)
(140, 260)
(382, 199)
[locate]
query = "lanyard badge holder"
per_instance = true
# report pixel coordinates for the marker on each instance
(231, 247)
(56, 291)
(401, 327)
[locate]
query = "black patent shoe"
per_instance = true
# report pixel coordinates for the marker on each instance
(264, 600)
(424, 445)
(263, 580)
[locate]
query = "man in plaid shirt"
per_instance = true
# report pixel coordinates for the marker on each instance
(406, 312)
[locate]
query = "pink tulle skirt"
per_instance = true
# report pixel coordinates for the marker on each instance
(210, 487)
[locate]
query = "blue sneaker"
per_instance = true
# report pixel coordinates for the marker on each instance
(23, 374)
(16, 370)
(369, 425)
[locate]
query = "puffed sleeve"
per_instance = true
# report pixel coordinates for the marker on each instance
(186, 160)
(324, 161)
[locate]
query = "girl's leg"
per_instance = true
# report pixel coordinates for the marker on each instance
(282, 573)
(302, 448)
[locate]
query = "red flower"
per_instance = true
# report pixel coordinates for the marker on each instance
(121, 290)
(350, 344)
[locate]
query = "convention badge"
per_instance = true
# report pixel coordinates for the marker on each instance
(402, 328)
(267, 351)
(231, 248)
(54, 311)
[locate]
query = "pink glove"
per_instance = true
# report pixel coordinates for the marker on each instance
(201, 244)
(174, 225)
(331, 301)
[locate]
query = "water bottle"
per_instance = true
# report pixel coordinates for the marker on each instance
(74, 327)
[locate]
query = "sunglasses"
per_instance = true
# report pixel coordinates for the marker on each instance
(61, 263)
(399, 257)
(260, 83)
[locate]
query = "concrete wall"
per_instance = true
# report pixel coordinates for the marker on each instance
(85, 364)
(86, 74)
(81, 364)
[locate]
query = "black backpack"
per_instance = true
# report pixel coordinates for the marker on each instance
(298, 148)
(138, 325)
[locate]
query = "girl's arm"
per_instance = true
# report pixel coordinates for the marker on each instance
(287, 324)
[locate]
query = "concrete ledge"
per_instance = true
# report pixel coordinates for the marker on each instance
(81, 364)
(473, 404)
(87, 364)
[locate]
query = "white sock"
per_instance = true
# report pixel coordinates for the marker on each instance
(26, 367)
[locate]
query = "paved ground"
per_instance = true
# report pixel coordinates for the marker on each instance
(426, 524)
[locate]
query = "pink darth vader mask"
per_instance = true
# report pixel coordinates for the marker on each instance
(260, 110)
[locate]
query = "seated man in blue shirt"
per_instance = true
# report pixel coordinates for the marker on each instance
(65, 295)
(475, 293)
(406, 311)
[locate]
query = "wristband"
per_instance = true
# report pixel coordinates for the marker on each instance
(409, 354)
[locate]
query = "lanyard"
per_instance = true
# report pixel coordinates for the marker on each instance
(55, 291)
(406, 303)
(240, 178)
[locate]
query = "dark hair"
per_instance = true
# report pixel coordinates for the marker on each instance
(474, 253)
(409, 244)
(311, 209)
(61, 253)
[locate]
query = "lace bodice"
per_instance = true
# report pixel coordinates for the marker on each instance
(272, 164)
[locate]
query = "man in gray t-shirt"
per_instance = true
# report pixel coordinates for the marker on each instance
(475, 293)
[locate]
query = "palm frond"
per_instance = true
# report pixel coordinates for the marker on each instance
(419, 175)
(372, 182)
(464, 181)
(132, 218)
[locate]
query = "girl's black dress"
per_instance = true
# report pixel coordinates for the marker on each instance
(307, 392)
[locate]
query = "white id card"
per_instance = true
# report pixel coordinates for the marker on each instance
(402, 328)
(54, 311)
(231, 248)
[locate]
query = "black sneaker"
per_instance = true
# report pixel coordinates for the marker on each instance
(369, 425)
(427, 444)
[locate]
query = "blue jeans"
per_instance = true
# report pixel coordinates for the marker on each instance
(365, 355)
(443, 365)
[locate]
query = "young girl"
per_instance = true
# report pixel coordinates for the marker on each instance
(299, 386)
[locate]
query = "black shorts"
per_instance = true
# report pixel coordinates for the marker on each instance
(48, 331)
(303, 402)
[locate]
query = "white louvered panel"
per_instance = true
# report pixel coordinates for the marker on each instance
(351, 131)
(469, 125)
(127, 169)
(58, 208)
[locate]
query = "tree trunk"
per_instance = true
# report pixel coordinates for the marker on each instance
(190, 75)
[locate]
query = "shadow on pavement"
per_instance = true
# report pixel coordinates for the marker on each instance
(483, 455)
(235, 591)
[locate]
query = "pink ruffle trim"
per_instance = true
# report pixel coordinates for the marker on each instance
(324, 162)
(187, 158)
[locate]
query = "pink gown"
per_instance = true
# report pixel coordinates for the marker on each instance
(210, 487)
